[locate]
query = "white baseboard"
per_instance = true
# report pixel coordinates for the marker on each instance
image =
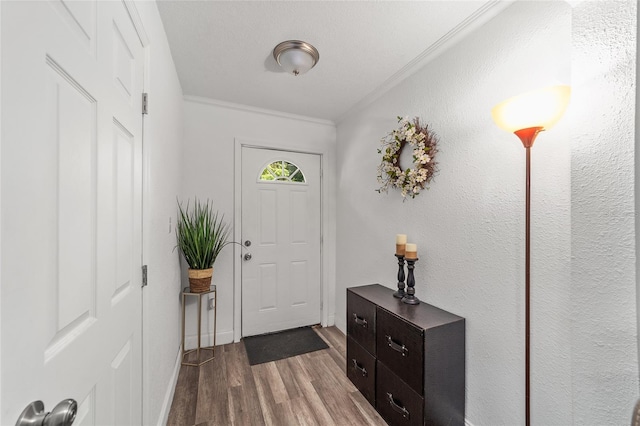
(341, 324)
(168, 396)
(331, 320)
(467, 423)
(222, 338)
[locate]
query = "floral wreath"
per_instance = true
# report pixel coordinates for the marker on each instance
(424, 144)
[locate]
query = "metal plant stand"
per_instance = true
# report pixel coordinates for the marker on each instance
(186, 292)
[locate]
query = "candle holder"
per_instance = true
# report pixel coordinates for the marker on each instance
(400, 293)
(410, 298)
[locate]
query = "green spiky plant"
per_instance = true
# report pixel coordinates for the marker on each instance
(201, 233)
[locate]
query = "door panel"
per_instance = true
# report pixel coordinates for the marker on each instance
(71, 222)
(80, 17)
(70, 114)
(125, 155)
(281, 281)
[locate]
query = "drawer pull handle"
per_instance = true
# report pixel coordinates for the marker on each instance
(397, 347)
(359, 368)
(360, 321)
(397, 407)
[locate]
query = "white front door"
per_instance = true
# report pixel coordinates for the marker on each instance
(71, 212)
(281, 219)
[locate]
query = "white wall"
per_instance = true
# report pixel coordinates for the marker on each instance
(211, 129)
(603, 238)
(163, 161)
(637, 180)
(0, 205)
(470, 225)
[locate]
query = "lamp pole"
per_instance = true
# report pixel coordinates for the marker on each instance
(531, 113)
(528, 136)
(527, 289)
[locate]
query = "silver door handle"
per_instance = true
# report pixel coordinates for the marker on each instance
(62, 414)
(247, 256)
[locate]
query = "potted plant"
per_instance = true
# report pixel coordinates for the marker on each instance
(202, 234)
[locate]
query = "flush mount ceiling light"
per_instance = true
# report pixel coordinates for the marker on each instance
(295, 56)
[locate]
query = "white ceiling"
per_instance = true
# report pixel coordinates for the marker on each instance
(223, 49)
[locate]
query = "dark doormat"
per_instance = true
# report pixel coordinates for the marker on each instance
(283, 344)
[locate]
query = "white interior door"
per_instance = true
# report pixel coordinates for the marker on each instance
(281, 219)
(71, 212)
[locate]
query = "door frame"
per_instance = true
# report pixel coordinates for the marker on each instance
(1, 339)
(145, 217)
(325, 266)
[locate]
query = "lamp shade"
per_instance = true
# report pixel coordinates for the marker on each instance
(295, 61)
(539, 108)
(295, 56)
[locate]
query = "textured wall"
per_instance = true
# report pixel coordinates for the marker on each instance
(163, 148)
(210, 131)
(470, 225)
(603, 269)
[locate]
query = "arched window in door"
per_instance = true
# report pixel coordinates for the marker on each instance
(282, 171)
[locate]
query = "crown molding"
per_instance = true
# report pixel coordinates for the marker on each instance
(474, 21)
(256, 110)
(574, 3)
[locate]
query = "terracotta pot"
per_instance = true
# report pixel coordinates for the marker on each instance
(200, 279)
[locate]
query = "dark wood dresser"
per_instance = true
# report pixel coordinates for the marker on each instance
(407, 360)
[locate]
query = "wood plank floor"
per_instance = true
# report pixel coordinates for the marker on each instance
(309, 389)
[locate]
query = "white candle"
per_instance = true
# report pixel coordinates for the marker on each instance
(411, 251)
(401, 240)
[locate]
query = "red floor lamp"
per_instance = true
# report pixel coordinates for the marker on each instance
(526, 115)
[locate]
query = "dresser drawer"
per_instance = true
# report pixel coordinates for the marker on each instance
(399, 345)
(361, 322)
(361, 370)
(396, 402)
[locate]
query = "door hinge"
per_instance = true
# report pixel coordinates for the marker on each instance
(144, 275)
(145, 103)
